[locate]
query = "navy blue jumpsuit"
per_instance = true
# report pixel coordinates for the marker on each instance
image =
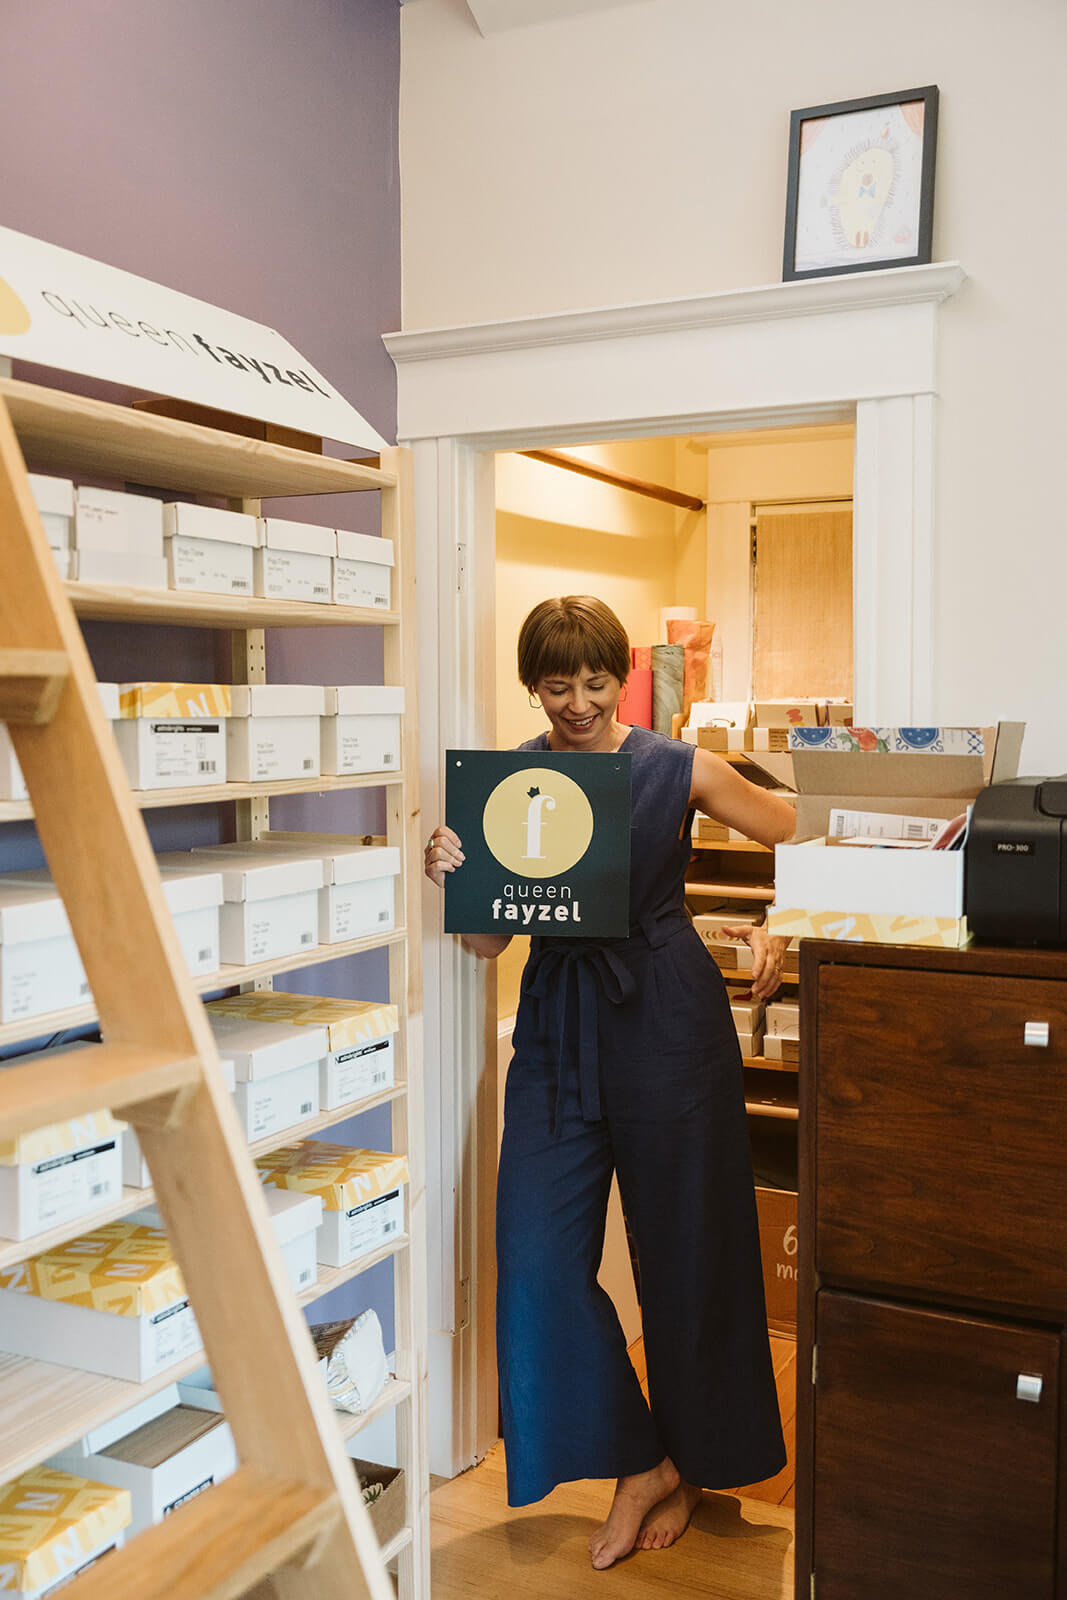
(626, 1059)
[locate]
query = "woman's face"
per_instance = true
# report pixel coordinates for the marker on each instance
(581, 709)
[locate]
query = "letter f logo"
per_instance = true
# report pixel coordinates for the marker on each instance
(539, 804)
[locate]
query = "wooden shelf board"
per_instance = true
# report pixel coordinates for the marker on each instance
(72, 435)
(331, 1278)
(217, 793)
(398, 1542)
(778, 1109)
(748, 846)
(189, 610)
(395, 1392)
(15, 1250)
(225, 978)
(764, 1064)
(732, 891)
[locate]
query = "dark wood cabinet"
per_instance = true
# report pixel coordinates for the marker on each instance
(932, 1274)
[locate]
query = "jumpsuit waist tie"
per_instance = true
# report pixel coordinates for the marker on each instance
(589, 969)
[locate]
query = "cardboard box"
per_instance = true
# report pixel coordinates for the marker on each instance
(135, 1173)
(274, 731)
(358, 896)
(210, 524)
(782, 1047)
(777, 1213)
(747, 1013)
(294, 561)
(54, 499)
(359, 1035)
(279, 1104)
(942, 933)
(361, 729)
(711, 925)
(112, 1301)
(107, 521)
(40, 968)
(270, 907)
(751, 1043)
(53, 1525)
(362, 571)
(163, 1462)
(783, 1018)
(788, 713)
(60, 1173)
(210, 566)
(124, 569)
(66, 563)
(295, 1218)
(12, 783)
(173, 735)
(825, 874)
(261, 1049)
(386, 1510)
(362, 1192)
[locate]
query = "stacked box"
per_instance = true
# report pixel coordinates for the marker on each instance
(118, 539)
(40, 968)
(273, 732)
(270, 905)
(358, 885)
(362, 571)
(295, 1218)
(209, 551)
(362, 1192)
(135, 1171)
(54, 1525)
(54, 498)
(361, 729)
(276, 1069)
(359, 1035)
(112, 1301)
(294, 561)
(172, 735)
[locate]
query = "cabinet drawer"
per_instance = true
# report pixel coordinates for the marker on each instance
(941, 1135)
(932, 1479)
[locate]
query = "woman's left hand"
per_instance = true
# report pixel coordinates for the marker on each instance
(768, 956)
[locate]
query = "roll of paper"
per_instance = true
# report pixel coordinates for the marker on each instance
(674, 614)
(635, 701)
(668, 676)
(695, 638)
(641, 656)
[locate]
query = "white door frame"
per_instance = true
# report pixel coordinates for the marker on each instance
(861, 348)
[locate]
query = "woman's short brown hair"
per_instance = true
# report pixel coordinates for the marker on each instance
(560, 637)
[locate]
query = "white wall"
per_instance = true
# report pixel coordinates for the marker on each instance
(640, 153)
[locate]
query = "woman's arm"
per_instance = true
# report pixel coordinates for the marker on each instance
(444, 854)
(722, 793)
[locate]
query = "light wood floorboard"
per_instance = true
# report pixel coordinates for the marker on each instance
(735, 1549)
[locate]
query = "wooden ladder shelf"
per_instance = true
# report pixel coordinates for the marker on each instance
(294, 1504)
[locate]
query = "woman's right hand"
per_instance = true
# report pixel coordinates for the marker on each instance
(443, 853)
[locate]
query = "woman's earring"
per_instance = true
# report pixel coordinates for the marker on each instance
(535, 703)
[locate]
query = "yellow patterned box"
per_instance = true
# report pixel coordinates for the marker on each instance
(360, 1034)
(871, 927)
(52, 1525)
(112, 1301)
(173, 735)
(59, 1174)
(362, 1193)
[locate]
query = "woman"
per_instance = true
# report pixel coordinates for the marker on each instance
(626, 1060)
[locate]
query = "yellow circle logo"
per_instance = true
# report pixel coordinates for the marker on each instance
(538, 823)
(14, 318)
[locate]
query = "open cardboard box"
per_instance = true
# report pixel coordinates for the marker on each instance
(387, 1512)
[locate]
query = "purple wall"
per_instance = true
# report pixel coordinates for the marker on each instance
(245, 153)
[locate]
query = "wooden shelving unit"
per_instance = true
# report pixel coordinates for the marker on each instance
(286, 1432)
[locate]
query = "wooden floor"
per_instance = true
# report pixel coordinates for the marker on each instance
(738, 1547)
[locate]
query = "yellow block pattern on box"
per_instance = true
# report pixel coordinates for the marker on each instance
(341, 1176)
(174, 700)
(49, 1520)
(124, 1268)
(28, 1148)
(347, 1022)
(948, 933)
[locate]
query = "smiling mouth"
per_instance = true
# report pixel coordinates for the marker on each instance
(581, 726)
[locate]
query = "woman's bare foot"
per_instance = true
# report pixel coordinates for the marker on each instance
(635, 1497)
(667, 1521)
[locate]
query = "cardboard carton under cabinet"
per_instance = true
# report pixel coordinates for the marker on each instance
(274, 731)
(777, 1213)
(53, 1525)
(163, 1463)
(361, 729)
(362, 572)
(40, 968)
(362, 1193)
(112, 1301)
(360, 1059)
(60, 1173)
(294, 561)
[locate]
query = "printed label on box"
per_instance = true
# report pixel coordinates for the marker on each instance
(209, 565)
(184, 750)
(172, 1335)
(68, 1184)
(367, 1226)
(361, 1072)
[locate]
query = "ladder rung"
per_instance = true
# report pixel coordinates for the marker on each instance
(216, 1546)
(103, 1076)
(31, 682)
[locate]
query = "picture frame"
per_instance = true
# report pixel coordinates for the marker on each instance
(860, 191)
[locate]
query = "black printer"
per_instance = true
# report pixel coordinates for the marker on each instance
(1016, 862)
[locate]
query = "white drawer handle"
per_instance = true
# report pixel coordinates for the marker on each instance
(1028, 1387)
(1035, 1033)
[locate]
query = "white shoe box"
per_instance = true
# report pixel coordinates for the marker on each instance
(56, 1524)
(783, 1019)
(135, 1173)
(361, 729)
(54, 499)
(279, 1104)
(362, 572)
(125, 569)
(274, 731)
(163, 1462)
(295, 1218)
(277, 1072)
(40, 968)
(294, 561)
(347, 1235)
(358, 896)
(65, 563)
(160, 1330)
(270, 907)
(362, 1192)
(353, 1074)
(172, 752)
(209, 550)
(12, 783)
(109, 522)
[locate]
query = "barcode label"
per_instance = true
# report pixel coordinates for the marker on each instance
(915, 830)
(305, 1276)
(379, 1077)
(204, 954)
(240, 583)
(83, 988)
(97, 1189)
(321, 588)
(305, 1109)
(309, 764)
(383, 916)
(390, 1227)
(388, 760)
(206, 766)
(307, 938)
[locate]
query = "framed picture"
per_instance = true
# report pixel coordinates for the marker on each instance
(861, 184)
